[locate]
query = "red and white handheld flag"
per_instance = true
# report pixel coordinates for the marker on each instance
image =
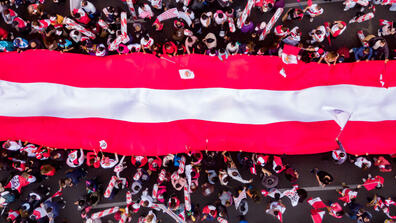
(317, 215)
(339, 116)
(316, 203)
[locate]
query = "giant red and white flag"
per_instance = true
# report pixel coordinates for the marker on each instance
(139, 104)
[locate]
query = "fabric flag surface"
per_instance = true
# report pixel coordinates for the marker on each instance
(140, 104)
(317, 215)
(340, 117)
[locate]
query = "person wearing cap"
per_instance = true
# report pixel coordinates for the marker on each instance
(383, 164)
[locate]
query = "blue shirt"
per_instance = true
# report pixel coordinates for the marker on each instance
(21, 43)
(66, 45)
(360, 55)
(6, 46)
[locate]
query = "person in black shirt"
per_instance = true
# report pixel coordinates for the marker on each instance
(322, 177)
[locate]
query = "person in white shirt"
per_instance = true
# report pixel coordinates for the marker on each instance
(339, 155)
(206, 19)
(232, 48)
(219, 17)
(30, 150)
(73, 160)
(313, 11)
(276, 209)
(362, 162)
(12, 145)
(88, 7)
(145, 11)
(294, 37)
(146, 42)
(106, 162)
(318, 34)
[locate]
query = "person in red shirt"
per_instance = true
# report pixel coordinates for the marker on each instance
(383, 164)
(20, 24)
(169, 48)
(335, 210)
(336, 29)
(9, 15)
(81, 16)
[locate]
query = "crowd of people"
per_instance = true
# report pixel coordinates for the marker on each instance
(168, 28)
(167, 183)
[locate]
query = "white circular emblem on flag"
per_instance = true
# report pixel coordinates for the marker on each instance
(103, 144)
